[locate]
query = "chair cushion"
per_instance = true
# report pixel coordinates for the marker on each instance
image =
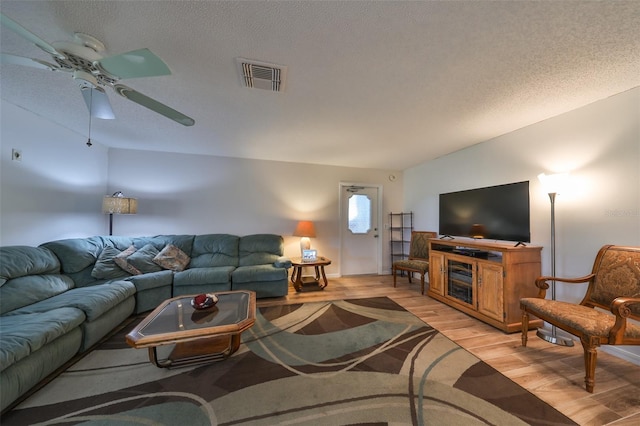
(414, 265)
(588, 321)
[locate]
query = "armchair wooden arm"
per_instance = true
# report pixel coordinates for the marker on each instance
(620, 307)
(543, 285)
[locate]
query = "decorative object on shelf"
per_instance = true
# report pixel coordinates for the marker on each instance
(553, 184)
(305, 229)
(478, 231)
(118, 204)
(204, 301)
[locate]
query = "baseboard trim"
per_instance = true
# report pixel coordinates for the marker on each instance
(622, 353)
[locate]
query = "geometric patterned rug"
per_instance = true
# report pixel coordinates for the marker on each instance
(348, 362)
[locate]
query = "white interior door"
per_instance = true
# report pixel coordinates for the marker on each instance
(360, 236)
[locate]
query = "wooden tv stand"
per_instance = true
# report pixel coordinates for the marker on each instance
(484, 279)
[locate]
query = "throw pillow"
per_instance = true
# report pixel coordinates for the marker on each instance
(105, 267)
(121, 261)
(171, 257)
(143, 259)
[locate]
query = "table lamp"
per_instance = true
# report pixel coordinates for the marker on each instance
(306, 230)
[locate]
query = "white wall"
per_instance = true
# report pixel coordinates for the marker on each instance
(181, 193)
(56, 190)
(598, 144)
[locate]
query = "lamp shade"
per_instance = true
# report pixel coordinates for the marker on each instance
(305, 228)
(555, 183)
(119, 205)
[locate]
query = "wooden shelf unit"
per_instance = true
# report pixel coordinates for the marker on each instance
(484, 279)
(400, 227)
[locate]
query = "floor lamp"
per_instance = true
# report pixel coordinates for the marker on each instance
(118, 204)
(553, 184)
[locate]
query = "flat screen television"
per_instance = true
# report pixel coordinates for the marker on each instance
(496, 212)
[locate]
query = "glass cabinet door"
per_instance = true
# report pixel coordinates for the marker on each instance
(460, 281)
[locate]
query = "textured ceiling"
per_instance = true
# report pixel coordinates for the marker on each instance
(370, 84)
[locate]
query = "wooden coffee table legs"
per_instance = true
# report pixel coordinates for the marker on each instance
(197, 351)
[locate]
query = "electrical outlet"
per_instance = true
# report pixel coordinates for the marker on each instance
(16, 154)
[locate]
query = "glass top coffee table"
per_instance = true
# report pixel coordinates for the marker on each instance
(197, 336)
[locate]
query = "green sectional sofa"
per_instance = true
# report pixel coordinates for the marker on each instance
(59, 299)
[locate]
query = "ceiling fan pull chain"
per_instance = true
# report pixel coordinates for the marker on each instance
(89, 144)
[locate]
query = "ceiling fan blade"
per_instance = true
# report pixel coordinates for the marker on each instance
(134, 64)
(153, 105)
(97, 102)
(6, 58)
(23, 32)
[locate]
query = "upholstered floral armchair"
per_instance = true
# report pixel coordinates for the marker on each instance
(607, 313)
(418, 260)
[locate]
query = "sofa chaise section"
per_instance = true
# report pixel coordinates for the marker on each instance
(32, 346)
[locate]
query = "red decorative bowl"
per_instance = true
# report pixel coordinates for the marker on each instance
(204, 301)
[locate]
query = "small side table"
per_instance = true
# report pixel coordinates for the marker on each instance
(296, 276)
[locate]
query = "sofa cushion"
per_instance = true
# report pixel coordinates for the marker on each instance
(93, 301)
(23, 291)
(260, 249)
(106, 267)
(183, 242)
(151, 280)
(18, 261)
(210, 250)
(258, 273)
(171, 257)
(142, 259)
(76, 254)
(122, 261)
(192, 276)
(21, 335)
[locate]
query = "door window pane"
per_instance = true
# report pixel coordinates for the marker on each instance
(359, 214)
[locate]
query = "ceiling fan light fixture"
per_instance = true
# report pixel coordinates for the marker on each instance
(82, 58)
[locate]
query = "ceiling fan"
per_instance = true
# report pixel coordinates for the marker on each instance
(83, 59)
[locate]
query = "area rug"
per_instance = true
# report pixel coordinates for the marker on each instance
(348, 362)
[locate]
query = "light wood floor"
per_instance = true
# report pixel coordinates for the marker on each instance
(553, 373)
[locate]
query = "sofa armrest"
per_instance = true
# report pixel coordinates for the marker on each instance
(620, 307)
(543, 285)
(282, 262)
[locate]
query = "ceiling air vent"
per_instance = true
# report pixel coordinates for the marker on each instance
(262, 75)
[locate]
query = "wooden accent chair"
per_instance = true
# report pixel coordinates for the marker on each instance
(418, 260)
(614, 285)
